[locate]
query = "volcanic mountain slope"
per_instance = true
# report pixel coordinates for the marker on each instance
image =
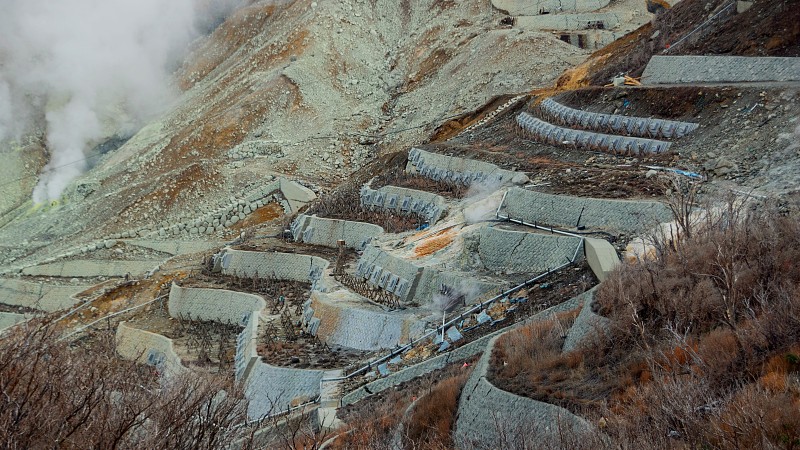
(308, 89)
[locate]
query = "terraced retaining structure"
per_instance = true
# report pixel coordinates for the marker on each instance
(327, 232)
(586, 327)
(404, 201)
(41, 296)
(486, 413)
(548, 7)
(148, 348)
(91, 268)
(570, 212)
(459, 170)
(280, 266)
(720, 69)
(461, 353)
(614, 123)
(218, 305)
(547, 133)
(515, 251)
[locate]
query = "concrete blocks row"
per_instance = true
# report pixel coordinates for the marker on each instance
(569, 212)
(614, 123)
(459, 170)
(551, 134)
(148, 348)
(280, 266)
(522, 252)
(216, 305)
(327, 232)
(720, 69)
(491, 115)
(388, 272)
(404, 201)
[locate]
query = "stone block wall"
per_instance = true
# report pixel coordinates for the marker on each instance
(586, 325)
(551, 7)
(148, 348)
(8, 320)
(434, 282)
(389, 272)
(39, 296)
(281, 266)
(720, 69)
(459, 170)
(522, 252)
(271, 389)
(91, 268)
(321, 231)
(485, 412)
(565, 211)
(404, 201)
(341, 321)
(217, 305)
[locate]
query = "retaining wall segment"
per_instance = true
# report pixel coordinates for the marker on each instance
(601, 256)
(281, 266)
(433, 282)
(176, 247)
(586, 325)
(537, 7)
(720, 69)
(560, 22)
(404, 201)
(564, 211)
(459, 170)
(486, 413)
(91, 268)
(8, 320)
(148, 348)
(39, 296)
(271, 389)
(465, 351)
(505, 250)
(389, 272)
(614, 123)
(321, 231)
(336, 319)
(548, 133)
(218, 305)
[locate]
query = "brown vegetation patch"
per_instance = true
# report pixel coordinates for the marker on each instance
(267, 213)
(434, 243)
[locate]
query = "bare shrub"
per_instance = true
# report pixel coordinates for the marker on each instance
(433, 416)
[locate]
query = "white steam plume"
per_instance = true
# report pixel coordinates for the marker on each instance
(89, 69)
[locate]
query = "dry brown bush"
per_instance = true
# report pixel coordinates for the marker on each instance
(434, 414)
(59, 395)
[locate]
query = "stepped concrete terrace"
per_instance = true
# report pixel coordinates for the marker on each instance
(719, 69)
(327, 232)
(38, 295)
(430, 207)
(458, 170)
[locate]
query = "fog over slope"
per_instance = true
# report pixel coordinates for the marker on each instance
(84, 70)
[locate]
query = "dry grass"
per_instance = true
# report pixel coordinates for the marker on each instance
(434, 415)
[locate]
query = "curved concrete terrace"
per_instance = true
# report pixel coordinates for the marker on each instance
(41, 296)
(327, 232)
(148, 348)
(218, 305)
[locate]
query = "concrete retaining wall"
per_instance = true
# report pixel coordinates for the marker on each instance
(586, 325)
(466, 351)
(720, 69)
(216, 305)
(273, 389)
(8, 320)
(91, 268)
(389, 272)
(39, 296)
(459, 170)
(247, 347)
(601, 256)
(148, 348)
(487, 414)
(341, 321)
(521, 252)
(404, 201)
(564, 211)
(614, 123)
(548, 133)
(321, 231)
(536, 7)
(432, 282)
(176, 247)
(584, 21)
(281, 266)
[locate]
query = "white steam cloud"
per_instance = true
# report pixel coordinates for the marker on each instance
(84, 70)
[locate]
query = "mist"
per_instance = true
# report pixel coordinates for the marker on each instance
(81, 71)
